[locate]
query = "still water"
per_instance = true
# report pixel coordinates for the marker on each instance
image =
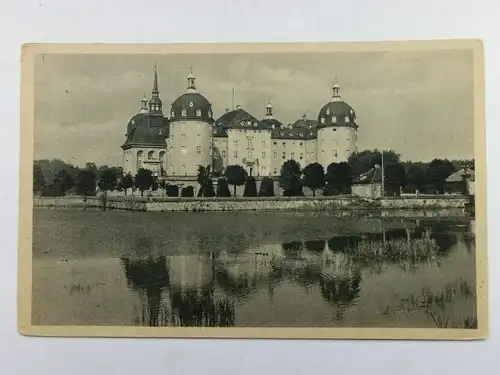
(252, 270)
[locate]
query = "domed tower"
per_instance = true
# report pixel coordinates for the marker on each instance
(269, 120)
(190, 135)
(337, 135)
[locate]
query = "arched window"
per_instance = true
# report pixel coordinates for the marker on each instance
(198, 112)
(162, 156)
(334, 118)
(151, 155)
(328, 111)
(172, 114)
(184, 113)
(322, 120)
(347, 119)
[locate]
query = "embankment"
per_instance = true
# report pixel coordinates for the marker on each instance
(342, 203)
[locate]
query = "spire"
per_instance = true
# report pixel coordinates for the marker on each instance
(155, 104)
(144, 106)
(269, 110)
(191, 80)
(155, 84)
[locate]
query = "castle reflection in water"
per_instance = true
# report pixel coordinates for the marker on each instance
(203, 289)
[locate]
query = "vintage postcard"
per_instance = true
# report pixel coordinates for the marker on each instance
(274, 190)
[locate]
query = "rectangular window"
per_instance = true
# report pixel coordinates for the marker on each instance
(322, 144)
(235, 154)
(301, 144)
(275, 171)
(284, 144)
(293, 155)
(198, 150)
(275, 143)
(334, 152)
(275, 155)
(263, 144)
(224, 154)
(263, 154)
(235, 143)
(322, 155)
(183, 168)
(284, 155)
(301, 156)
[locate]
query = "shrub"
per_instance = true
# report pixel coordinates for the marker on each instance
(223, 188)
(250, 187)
(187, 191)
(266, 187)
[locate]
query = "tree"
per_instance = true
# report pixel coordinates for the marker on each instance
(338, 179)
(415, 179)
(314, 177)
(250, 187)
(85, 183)
(172, 190)
(204, 179)
(107, 181)
(143, 180)
(290, 180)
(223, 188)
(38, 179)
(363, 161)
(236, 176)
(127, 182)
(394, 178)
(437, 172)
(62, 182)
(154, 185)
(266, 187)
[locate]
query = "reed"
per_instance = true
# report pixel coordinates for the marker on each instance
(397, 250)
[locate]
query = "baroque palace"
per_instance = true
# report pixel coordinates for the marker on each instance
(173, 144)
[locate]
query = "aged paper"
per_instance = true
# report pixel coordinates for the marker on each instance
(273, 190)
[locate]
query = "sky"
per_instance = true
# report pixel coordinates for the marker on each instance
(418, 103)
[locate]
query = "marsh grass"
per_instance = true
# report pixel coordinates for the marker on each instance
(439, 306)
(394, 251)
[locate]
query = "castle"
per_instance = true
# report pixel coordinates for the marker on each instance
(173, 145)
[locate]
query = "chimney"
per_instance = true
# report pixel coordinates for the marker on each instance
(227, 110)
(238, 106)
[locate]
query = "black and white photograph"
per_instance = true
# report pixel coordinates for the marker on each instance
(320, 190)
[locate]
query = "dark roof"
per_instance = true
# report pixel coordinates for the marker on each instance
(457, 176)
(373, 176)
(270, 122)
(289, 132)
(146, 130)
(340, 110)
(237, 119)
(191, 102)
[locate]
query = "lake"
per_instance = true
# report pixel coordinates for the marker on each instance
(252, 269)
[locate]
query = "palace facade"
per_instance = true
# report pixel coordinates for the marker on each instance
(172, 143)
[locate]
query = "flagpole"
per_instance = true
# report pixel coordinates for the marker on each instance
(383, 177)
(233, 98)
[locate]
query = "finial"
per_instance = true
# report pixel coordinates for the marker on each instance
(155, 83)
(191, 80)
(336, 90)
(269, 109)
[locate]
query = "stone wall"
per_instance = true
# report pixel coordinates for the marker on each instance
(257, 204)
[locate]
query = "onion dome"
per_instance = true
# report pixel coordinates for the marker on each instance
(191, 105)
(337, 112)
(269, 120)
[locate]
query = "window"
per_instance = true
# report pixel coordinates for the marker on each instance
(301, 156)
(284, 155)
(334, 153)
(263, 144)
(334, 118)
(263, 154)
(184, 113)
(235, 143)
(198, 150)
(172, 171)
(301, 144)
(322, 120)
(347, 119)
(172, 114)
(322, 144)
(293, 155)
(275, 171)
(224, 154)
(322, 154)
(151, 155)
(162, 156)
(235, 154)
(184, 169)
(284, 144)
(328, 111)
(275, 155)
(334, 129)
(275, 143)
(198, 112)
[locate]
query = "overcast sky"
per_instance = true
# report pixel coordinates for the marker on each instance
(418, 103)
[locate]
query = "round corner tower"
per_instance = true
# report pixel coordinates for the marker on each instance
(337, 135)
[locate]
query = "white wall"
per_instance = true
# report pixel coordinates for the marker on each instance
(247, 144)
(190, 143)
(335, 144)
(132, 161)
